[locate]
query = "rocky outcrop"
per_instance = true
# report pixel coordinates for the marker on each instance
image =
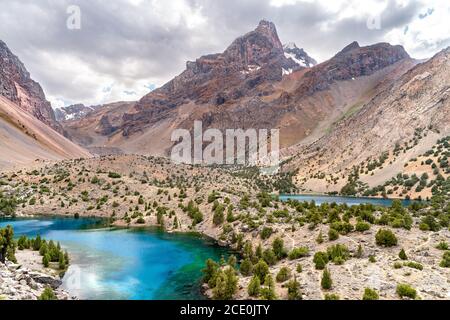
(24, 138)
(299, 56)
(413, 111)
(17, 86)
(350, 63)
(255, 83)
(74, 112)
(104, 127)
(252, 60)
(17, 283)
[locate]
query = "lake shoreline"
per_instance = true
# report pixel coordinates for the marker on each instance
(204, 233)
(27, 279)
(105, 225)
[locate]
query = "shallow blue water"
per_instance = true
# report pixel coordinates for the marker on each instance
(351, 201)
(122, 263)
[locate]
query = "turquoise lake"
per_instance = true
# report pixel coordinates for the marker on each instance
(138, 264)
(351, 201)
(111, 263)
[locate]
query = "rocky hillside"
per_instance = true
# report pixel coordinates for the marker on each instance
(17, 86)
(74, 112)
(255, 83)
(291, 51)
(28, 127)
(93, 127)
(364, 246)
(402, 122)
(21, 283)
(23, 138)
(252, 60)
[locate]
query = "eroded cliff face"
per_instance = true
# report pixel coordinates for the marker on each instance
(17, 86)
(255, 83)
(252, 60)
(352, 62)
(259, 83)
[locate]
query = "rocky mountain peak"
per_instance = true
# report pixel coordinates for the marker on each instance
(73, 112)
(350, 63)
(12, 71)
(258, 47)
(17, 86)
(299, 56)
(269, 30)
(259, 53)
(352, 46)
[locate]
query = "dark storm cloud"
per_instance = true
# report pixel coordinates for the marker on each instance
(130, 42)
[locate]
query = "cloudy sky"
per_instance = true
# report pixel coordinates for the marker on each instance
(126, 48)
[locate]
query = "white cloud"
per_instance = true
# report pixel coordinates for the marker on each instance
(127, 46)
(425, 35)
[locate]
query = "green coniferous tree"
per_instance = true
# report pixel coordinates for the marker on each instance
(294, 290)
(402, 255)
(326, 281)
(46, 260)
(254, 287)
(246, 267)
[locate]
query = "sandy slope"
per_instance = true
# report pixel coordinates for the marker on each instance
(24, 139)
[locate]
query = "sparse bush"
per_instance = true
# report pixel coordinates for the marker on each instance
(140, 220)
(359, 252)
(268, 293)
(226, 284)
(297, 253)
(442, 246)
(46, 260)
(283, 275)
(362, 226)
(326, 281)
(266, 232)
(320, 260)
(210, 271)
(385, 238)
(294, 290)
(218, 217)
(278, 248)
(48, 294)
(402, 255)
(370, 294)
(332, 296)
(114, 175)
(269, 257)
(445, 263)
(405, 290)
(338, 253)
(333, 235)
(414, 265)
(319, 238)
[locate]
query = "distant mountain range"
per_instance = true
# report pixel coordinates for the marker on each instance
(333, 116)
(73, 112)
(255, 83)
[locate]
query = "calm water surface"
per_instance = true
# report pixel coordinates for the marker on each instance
(351, 201)
(110, 263)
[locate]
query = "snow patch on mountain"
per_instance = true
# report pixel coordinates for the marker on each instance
(299, 56)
